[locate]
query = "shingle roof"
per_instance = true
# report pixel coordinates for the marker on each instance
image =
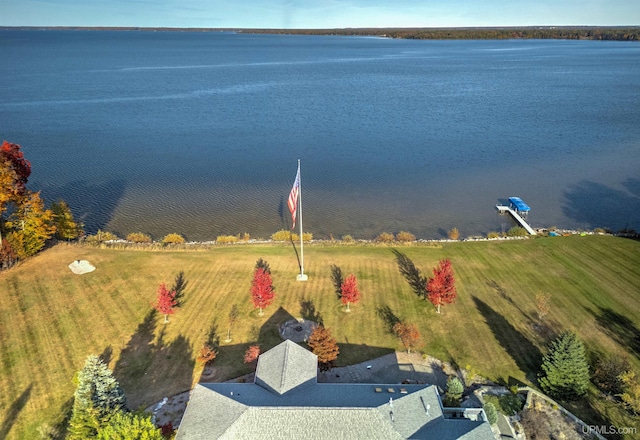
(282, 410)
(285, 367)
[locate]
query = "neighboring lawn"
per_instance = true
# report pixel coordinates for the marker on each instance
(51, 319)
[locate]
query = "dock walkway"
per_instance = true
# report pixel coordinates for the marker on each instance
(502, 209)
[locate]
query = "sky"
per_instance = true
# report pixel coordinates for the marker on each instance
(318, 13)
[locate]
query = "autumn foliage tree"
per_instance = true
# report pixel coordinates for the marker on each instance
(349, 291)
(252, 353)
(207, 354)
(262, 289)
(325, 346)
(165, 302)
(408, 334)
(441, 287)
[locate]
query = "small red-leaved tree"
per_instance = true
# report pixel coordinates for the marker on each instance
(165, 302)
(261, 289)
(441, 288)
(324, 346)
(207, 355)
(349, 291)
(252, 353)
(408, 334)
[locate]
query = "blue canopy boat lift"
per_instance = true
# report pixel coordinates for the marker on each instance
(519, 211)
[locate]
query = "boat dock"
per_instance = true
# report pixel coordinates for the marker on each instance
(518, 210)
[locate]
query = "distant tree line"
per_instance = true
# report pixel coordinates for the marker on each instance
(619, 33)
(631, 33)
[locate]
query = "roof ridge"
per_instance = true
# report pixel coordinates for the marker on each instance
(283, 375)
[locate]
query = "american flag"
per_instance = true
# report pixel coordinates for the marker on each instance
(293, 198)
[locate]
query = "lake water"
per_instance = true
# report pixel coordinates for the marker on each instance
(199, 133)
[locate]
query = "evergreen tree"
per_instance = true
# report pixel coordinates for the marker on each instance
(129, 426)
(565, 370)
(98, 395)
(455, 388)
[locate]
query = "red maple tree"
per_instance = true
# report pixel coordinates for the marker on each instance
(408, 334)
(165, 302)
(261, 289)
(441, 288)
(11, 154)
(349, 291)
(252, 353)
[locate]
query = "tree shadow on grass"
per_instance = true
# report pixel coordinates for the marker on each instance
(388, 318)
(620, 329)
(525, 354)
(337, 279)
(149, 369)
(309, 312)
(11, 415)
(411, 273)
(179, 285)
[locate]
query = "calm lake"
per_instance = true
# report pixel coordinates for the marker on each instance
(199, 133)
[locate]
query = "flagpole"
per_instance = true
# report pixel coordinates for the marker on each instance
(301, 276)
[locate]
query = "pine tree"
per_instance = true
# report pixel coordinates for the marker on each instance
(455, 388)
(98, 395)
(565, 370)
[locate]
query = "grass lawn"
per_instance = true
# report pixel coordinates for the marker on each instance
(51, 319)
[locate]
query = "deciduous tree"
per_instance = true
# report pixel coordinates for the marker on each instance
(66, 227)
(324, 346)
(130, 426)
(207, 354)
(631, 391)
(350, 293)
(32, 224)
(441, 288)
(565, 370)
(165, 302)
(261, 289)
(543, 304)
(408, 334)
(252, 353)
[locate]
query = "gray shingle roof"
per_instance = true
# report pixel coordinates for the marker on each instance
(309, 410)
(285, 367)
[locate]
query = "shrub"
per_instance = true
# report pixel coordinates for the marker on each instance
(517, 231)
(307, 236)
(606, 374)
(207, 354)
(139, 237)
(454, 234)
(284, 235)
(385, 237)
(226, 239)
(246, 237)
(490, 411)
(405, 236)
(101, 236)
(347, 238)
(493, 234)
(173, 239)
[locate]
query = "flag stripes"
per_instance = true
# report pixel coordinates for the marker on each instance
(293, 198)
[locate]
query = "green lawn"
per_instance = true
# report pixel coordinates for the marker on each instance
(51, 319)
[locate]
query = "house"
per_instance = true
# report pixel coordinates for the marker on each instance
(286, 402)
